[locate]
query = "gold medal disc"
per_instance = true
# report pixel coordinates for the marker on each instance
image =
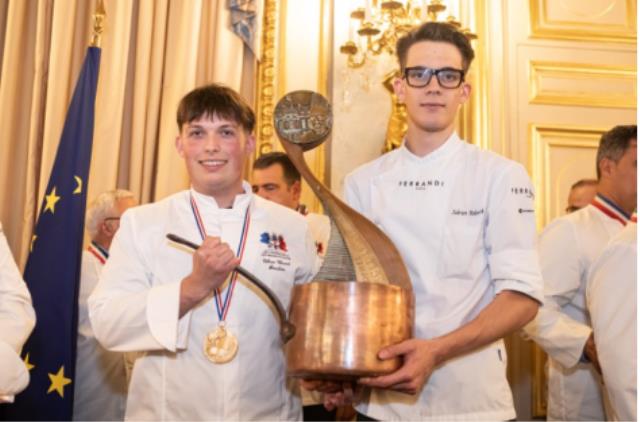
(220, 346)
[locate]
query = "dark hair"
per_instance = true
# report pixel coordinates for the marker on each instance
(291, 173)
(218, 100)
(584, 182)
(435, 31)
(614, 143)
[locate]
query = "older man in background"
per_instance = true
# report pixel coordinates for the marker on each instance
(101, 387)
(275, 178)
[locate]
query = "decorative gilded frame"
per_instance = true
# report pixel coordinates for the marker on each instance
(539, 70)
(267, 71)
(542, 27)
(542, 138)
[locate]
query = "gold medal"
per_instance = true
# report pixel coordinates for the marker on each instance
(220, 346)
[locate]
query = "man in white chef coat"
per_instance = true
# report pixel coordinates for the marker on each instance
(100, 392)
(612, 305)
(274, 177)
(17, 319)
(568, 247)
(462, 219)
(211, 342)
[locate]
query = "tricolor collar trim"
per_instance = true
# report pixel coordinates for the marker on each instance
(611, 210)
(99, 252)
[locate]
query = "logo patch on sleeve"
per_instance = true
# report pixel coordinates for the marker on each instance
(276, 255)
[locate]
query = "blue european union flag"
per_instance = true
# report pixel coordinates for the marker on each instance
(53, 267)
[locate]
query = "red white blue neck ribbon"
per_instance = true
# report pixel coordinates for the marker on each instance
(222, 306)
(99, 252)
(610, 209)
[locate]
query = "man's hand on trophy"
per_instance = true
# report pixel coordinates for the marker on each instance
(419, 361)
(345, 397)
(335, 393)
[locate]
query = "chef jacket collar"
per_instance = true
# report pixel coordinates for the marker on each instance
(450, 145)
(240, 202)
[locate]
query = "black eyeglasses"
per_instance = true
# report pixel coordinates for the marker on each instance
(419, 77)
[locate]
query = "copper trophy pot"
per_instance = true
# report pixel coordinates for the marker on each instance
(341, 326)
(364, 302)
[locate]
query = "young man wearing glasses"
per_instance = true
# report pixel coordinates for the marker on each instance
(463, 221)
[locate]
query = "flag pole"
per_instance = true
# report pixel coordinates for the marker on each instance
(98, 24)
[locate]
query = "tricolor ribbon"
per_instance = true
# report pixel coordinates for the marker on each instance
(222, 306)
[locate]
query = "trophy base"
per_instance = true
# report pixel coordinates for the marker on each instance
(341, 327)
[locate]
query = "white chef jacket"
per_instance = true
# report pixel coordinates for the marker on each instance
(568, 246)
(100, 391)
(17, 319)
(320, 228)
(135, 308)
(611, 301)
(462, 219)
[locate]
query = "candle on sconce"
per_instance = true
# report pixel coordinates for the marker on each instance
(351, 29)
(367, 10)
(423, 11)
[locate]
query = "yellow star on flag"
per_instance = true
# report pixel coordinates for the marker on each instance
(58, 381)
(78, 189)
(28, 364)
(33, 240)
(51, 199)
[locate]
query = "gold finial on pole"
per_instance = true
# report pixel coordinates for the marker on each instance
(98, 24)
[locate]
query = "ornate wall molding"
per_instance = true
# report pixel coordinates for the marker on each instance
(582, 84)
(546, 143)
(600, 21)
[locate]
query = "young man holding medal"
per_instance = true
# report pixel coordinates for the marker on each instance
(210, 339)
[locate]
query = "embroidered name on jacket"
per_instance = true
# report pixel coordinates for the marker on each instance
(471, 213)
(421, 184)
(276, 256)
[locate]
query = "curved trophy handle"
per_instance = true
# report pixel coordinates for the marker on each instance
(287, 329)
(303, 121)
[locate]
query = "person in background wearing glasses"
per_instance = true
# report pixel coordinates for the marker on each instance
(462, 219)
(581, 194)
(568, 247)
(100, 391)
